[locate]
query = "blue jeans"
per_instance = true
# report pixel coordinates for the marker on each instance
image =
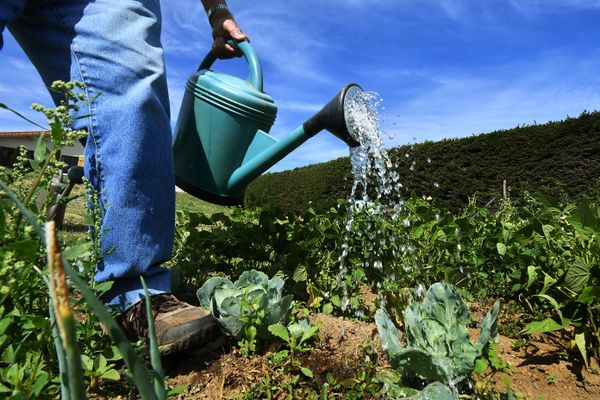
(114, 47)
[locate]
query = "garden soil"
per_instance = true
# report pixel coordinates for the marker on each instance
(541, 369)
(538, 369)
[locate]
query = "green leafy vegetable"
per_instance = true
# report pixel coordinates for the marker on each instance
(233, 303)
(439, 347)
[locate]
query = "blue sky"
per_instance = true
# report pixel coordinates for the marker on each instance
(444, 68)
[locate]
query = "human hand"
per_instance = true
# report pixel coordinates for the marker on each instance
(224, 27)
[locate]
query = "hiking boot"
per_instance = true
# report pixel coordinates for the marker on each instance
(180, 327)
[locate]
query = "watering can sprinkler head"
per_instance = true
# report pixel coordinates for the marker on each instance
(333, 117)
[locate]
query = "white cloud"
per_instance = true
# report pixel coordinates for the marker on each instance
(409, 50)
(550, 5)
(284, 43)
(454, 8)
(550, 88)
(23, 87)
(185, 29)
(292, 105)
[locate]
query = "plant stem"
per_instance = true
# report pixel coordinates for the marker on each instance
(60, 354)
(64, 313)
(159, 378)
(36, 183)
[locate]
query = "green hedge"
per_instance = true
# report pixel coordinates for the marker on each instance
(556, 158)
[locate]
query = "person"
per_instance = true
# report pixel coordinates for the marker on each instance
(114, 48)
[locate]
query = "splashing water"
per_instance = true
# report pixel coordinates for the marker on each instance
(375, 194)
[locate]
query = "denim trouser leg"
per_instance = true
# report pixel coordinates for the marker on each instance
(113, 46)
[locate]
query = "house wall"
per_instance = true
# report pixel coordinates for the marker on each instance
(72, 155)
(30, 142)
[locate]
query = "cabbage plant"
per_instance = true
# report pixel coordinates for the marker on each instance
(439, 348)
(252, 299)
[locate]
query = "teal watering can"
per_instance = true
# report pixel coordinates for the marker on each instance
(221, 141)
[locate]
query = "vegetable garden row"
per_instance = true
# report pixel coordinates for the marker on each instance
(264, 274)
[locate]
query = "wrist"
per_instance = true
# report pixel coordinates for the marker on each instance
(219, 10)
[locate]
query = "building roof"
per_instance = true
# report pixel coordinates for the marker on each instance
(21, 134)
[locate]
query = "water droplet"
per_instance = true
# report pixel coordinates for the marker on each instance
(345, 303)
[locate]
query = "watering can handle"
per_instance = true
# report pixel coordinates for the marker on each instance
(255, 76)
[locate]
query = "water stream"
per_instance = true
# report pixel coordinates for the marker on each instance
(375, 195)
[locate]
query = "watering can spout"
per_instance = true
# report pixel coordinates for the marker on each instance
(333, 117)
(265, 151)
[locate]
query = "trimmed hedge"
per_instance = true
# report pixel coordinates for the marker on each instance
(556, 158)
